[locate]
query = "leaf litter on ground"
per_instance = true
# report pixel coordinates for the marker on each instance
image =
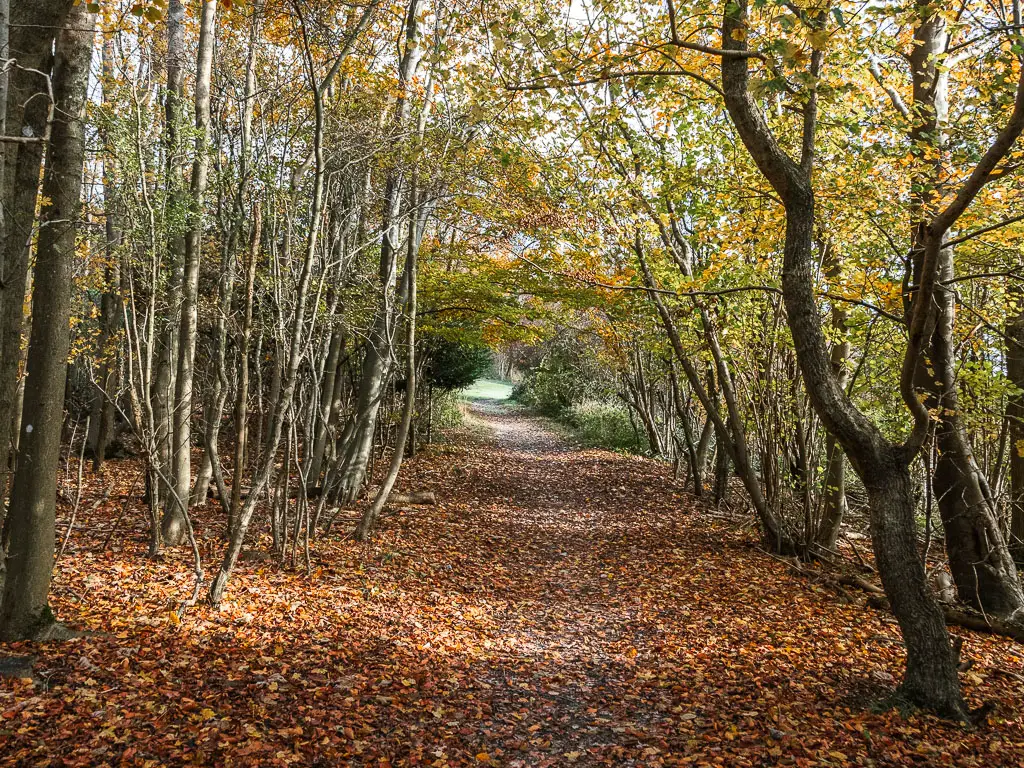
(557, 607)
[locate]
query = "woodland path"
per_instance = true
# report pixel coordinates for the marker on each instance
(557, 607)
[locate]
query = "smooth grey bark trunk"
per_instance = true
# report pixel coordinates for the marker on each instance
(218, 393)
(369, 519)
(24, 607)
(930, 679)
(834, 506)
(358, 445)
(175, 523)
(707, 431)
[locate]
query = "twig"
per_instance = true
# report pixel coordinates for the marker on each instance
(78, 493)
(124, 509)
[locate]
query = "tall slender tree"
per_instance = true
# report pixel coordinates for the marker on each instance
(28, 110)
(174, 525)
(24, 610)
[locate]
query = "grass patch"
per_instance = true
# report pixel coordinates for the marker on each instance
(487, 389)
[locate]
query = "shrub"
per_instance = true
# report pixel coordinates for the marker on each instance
(447, 411)
(604, 425)
(567, 375)
(452, 365)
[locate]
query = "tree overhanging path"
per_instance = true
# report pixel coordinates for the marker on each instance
(558, 606)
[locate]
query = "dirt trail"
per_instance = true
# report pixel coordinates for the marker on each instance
(558, 607)
(512, 429)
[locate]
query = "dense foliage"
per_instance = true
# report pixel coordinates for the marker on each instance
(452, 365)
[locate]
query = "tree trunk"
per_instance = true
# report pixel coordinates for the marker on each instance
(174, 524)
(835, 462)
(723, 469)
(931, 676)
(359, 446)
(369, 519)
(683, 414)
(930, 679)
(242, 395)
(161, 490)
(979, 556)
(324, 412)
(1015, 415)
(28, 110)
(24, 610)
(101, 424)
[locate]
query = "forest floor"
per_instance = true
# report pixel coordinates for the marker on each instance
(558, 607)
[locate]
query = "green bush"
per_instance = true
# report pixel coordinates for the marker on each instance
(453, 365)
(604, 425)
(447, 412)
(566, 376)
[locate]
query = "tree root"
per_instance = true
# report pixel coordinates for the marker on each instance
(956, 615)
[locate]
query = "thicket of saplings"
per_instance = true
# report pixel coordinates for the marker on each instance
(628, 405)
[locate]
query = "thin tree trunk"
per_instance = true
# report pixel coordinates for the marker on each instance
(324, 412)
(162, 491)
(683, 414)
(242, 395)
(722, 472)
(219, 392)
(359, 446)
(1015, 416)
(835, 462)
(102, 420)
(369, 519)
(175, 524)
